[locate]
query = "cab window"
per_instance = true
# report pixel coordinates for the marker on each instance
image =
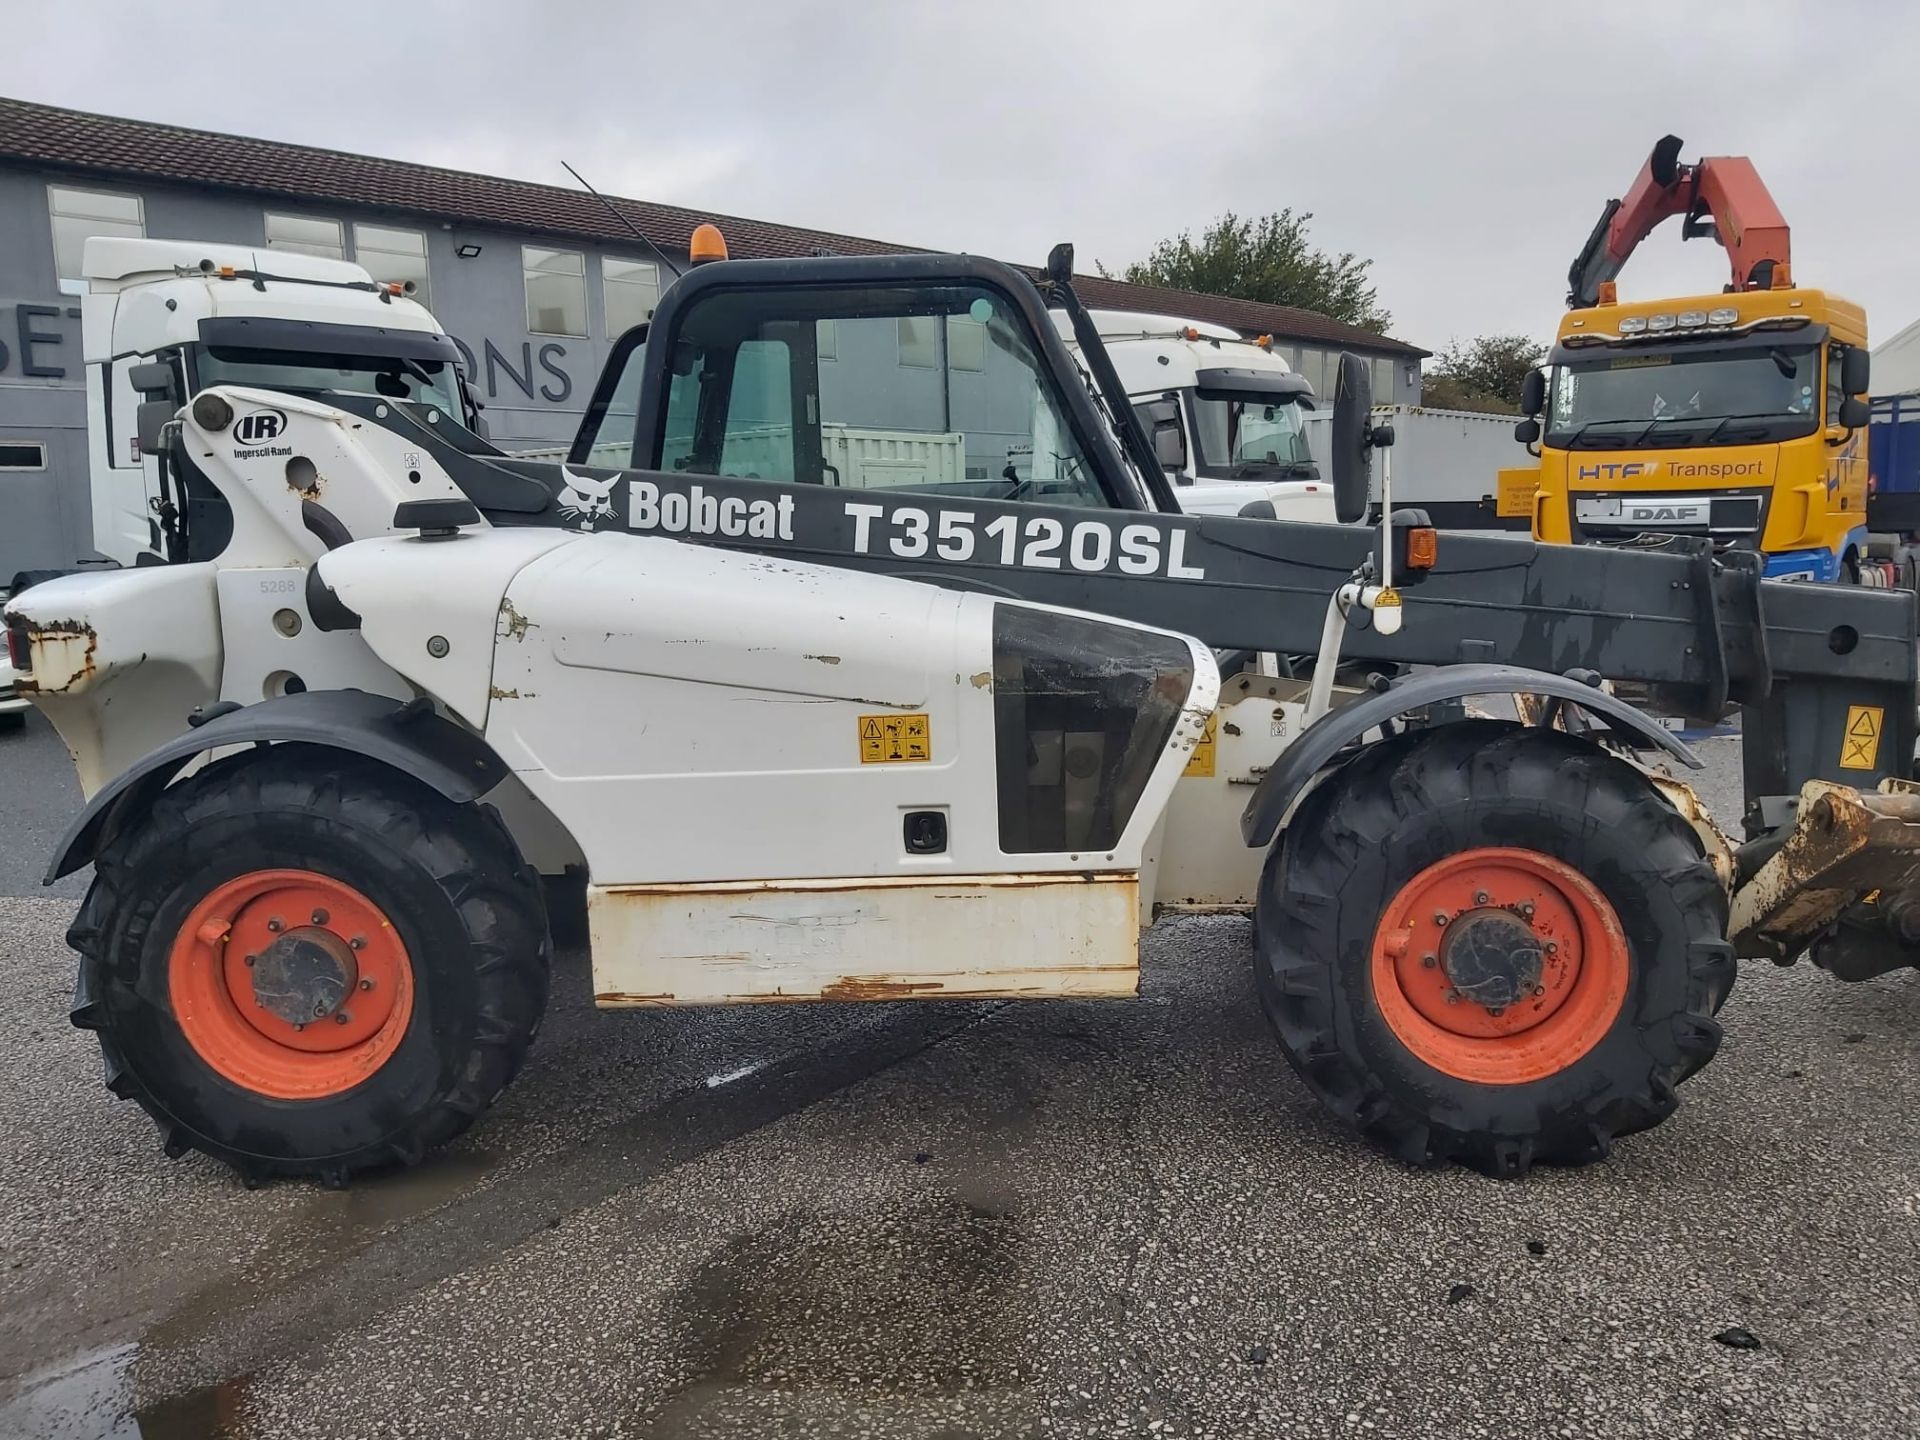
(933, 389)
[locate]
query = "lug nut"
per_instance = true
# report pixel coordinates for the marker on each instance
(1453, 997)
(1427, 962)
(1538, 991)
(366, 982)
(299, 1025)
(276, 925)
(319, 917)
(358, 942)
(1479, 897)
(250, 960)
(340, 1017)
(1526, 908)
(1440, 918)
(1496, 1011)
(1553, 947)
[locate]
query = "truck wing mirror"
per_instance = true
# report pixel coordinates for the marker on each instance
(151, 420)
(152, 378)
(1856, 367)
(1533, 392)
(1527, 431)
(1169, 440)
(1854, 412)
(1351, 439)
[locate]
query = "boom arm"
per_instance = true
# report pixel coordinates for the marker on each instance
(1721, 196)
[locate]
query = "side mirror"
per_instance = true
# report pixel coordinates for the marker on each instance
(1060, 263)
(1856, 371)
(1162, 418)
(1527, 432)
(1855, 412)
(151, 421)
(152, 378)
(1533, 392)
(1350, 440)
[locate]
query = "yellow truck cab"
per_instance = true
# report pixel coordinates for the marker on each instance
(1725, 416)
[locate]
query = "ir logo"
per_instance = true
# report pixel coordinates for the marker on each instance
(259, 427)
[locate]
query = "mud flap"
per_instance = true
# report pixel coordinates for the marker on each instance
(1848, 848)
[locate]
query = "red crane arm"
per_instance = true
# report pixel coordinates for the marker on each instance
(1721, 196)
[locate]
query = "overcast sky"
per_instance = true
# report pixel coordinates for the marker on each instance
(1465, 147)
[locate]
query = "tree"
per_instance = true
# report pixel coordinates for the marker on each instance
(1266, 258)
(1484, 374)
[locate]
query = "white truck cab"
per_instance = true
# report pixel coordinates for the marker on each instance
(1227, 416)
(235, 315)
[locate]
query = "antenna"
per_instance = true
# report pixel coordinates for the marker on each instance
(632, 229)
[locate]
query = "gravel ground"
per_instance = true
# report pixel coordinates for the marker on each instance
(1059, 1219)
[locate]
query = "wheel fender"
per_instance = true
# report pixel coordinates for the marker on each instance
(408, 735)
(1323, 741)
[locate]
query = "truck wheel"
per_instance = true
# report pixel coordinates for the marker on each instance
(1492, 944)
(304, 963)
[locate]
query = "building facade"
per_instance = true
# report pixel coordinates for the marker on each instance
(533, 282)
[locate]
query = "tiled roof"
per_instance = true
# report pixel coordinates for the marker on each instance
(76, 139)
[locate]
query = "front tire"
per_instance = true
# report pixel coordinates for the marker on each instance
(1492, 944)
(305, 963)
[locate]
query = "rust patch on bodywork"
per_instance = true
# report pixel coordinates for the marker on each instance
(512, 624)
(495, 692)
(823, 659)
(1693, 810)
(1846, 845)
(62, 654)
(982, 681)
(877, 987)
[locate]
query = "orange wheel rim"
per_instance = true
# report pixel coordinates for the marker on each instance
(1500, 966)
(290, 984)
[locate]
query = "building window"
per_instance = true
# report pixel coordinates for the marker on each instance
(22, 455)
(304, 235)
(1313, 366)
(1382, 381)
(918, 344)
(77, 214)
(966, 343)
(394, 255)
(556, 283)
(629, 289)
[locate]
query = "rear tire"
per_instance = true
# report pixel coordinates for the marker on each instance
(1354, 961)
(361, 889)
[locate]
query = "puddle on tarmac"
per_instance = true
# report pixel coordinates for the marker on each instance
(92, 1398)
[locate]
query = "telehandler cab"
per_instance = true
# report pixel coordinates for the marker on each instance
(871, 740)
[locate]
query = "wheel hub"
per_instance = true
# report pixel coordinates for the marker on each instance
(290, 983)
(1493, 957)
(1499, 965)
(304, 976)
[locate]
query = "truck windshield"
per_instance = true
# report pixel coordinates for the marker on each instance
(1237, 439)
(1684, 397)
(426, 381)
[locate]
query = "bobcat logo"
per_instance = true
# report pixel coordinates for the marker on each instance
(585, 501)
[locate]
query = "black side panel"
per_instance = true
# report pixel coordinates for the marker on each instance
(407, 735)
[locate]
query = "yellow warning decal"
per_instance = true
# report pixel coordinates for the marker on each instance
(1201, 761)
(894, 739)
(1860, 746)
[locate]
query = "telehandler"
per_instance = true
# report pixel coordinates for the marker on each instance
(804, 739)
